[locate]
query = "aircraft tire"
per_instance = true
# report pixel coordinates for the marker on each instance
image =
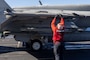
(35, 45)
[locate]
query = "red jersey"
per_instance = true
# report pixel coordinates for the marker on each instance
(57, 36)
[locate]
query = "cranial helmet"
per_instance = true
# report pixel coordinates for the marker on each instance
(61, 24)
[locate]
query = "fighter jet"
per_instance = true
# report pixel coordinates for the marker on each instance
(31, 25)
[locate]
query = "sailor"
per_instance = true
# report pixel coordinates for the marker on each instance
(58, 33)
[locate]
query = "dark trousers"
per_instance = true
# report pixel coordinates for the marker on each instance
(58, 50)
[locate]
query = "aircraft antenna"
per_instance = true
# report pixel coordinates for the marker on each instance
(40, 2)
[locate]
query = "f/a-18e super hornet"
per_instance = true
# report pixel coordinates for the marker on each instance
(31, 25)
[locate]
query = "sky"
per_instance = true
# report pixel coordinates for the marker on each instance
(20, 3)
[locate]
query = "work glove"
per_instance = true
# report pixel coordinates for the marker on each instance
(60, 15)
(55, 16)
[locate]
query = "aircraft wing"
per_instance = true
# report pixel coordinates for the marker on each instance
(52, 13)
(43, 15)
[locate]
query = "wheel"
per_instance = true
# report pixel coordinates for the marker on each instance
(35, 45)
